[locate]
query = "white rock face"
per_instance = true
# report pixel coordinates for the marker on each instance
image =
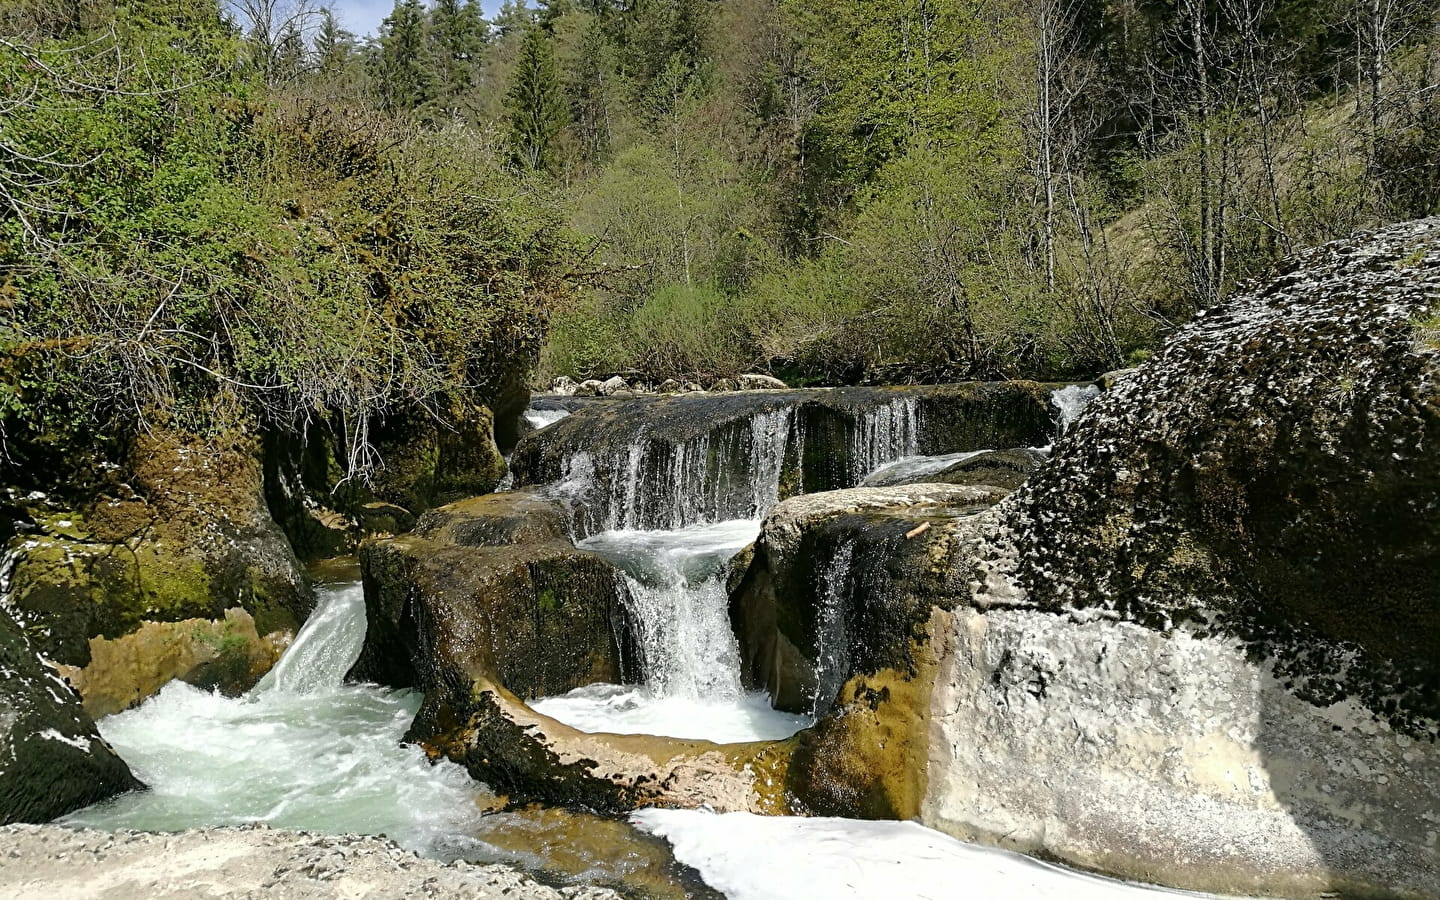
(613, 386)
(760, 383)
(1170, 759)
(564, 386)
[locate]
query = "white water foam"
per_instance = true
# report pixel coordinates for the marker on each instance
(679, 608)
(540, 418)
(624, 709)
(909, 468)
(749, 857)
(303, 750)
(1070, 402)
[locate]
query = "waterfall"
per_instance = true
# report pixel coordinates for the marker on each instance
(678, 606)
(686, 648)
(326, 647)
(1070, 402)
(884, 434)
(728, 473)
(832, 631)
(540, 418)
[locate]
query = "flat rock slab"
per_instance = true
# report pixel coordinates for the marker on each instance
(45, 862)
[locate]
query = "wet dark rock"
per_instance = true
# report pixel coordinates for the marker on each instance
(489, 588)
(423, 463)
(427, 463)
(52, 760)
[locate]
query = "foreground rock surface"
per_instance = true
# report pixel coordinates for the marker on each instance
(52, 760)
(45, 862)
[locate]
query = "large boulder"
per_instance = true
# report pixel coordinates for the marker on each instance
(52, 761)
(490, 588)
(1200, 646)
(842, 582)
(185, 535)
(1202, 643)
(836, 616)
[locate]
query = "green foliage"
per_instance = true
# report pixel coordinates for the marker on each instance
(182, 247)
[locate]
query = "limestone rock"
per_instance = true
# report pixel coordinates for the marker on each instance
(589, 388)
(1202, 646)
(533, 758)
(670, 386)
(564, 386)
(250, 862)
(1112, 378)
(426, 463)
(757, 382)
(190, 538)
(229, 656)
(379, 517)
(842, 582)
(52, 760)
(613, 386)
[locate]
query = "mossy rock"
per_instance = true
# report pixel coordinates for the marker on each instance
(489, 587)
(188, 536)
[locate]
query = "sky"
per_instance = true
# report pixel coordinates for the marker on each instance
(363, 16)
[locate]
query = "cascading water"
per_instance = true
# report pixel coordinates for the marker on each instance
(832, 629)
(733, 472)
(671, 515)
(1070, 402)
(678, 606)
(884, 434)
(302, 750)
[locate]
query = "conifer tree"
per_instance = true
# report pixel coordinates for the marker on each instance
(457, 33)
(334, 46)
(535, 102)
(406, 70)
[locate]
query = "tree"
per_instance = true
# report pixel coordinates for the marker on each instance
(334, 46)
(276, 31)
(457, 34)
(535, 102)
(406, 70)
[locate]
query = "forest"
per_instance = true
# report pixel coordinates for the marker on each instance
(218, 212)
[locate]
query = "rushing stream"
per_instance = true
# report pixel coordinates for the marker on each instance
(305, 750)
(302, 750)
